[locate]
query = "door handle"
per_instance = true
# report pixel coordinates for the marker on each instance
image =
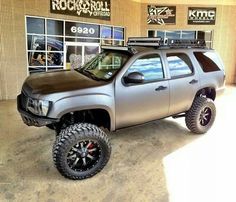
(161, 88)
(193, 81)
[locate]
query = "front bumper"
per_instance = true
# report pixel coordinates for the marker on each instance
(31, 119)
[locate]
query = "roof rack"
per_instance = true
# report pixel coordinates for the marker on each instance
(166, 43)
(125, 48)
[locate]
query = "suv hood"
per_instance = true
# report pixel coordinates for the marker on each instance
(58, 81)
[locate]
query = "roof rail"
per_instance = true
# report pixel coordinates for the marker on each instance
(166, 43)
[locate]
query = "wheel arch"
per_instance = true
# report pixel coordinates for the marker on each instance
(209, 92)
(100, 116)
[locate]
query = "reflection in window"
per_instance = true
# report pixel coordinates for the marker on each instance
(54, 43)
(161, 34)
(90, 52)
(173, 34)
(54, 27)
(73, 57)
(179, 64)
(36, 42)
(55, 59)
(118, 33)
(35, 25)
(106, 35)
(188, 34)
(150, 66)
(37, 58)
(106, 64)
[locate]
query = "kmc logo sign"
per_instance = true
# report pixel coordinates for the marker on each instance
(201, 15)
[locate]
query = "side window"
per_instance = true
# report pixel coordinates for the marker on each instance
(150, 66)
(179, 64)
(208, 61)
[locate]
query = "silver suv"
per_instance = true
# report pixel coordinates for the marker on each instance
(150, 79)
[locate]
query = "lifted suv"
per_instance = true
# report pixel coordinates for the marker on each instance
(149, 79)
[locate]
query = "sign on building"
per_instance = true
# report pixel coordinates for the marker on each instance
(201, 16)
(99, 9)
(161, 15)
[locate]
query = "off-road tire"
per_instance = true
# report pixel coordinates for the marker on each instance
(71, 136)
(192, 118)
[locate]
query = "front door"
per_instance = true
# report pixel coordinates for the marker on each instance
(140, 103)
(78, 53)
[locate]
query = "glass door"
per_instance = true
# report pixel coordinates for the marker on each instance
(78, 53)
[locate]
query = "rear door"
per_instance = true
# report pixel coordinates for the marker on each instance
(184, 80)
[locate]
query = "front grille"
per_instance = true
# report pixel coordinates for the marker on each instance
(24, 101)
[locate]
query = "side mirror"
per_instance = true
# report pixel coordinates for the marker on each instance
(134, 77)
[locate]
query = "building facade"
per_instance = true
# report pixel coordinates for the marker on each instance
(36, 38)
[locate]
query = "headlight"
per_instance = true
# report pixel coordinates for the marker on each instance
(38, 107)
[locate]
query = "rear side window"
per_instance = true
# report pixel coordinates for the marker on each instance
(208, 61)
(179, 64)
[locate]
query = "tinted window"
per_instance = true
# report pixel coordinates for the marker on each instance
(54, 27)
(105, 65)
(35, 25)
(118, 33)
(173, 34)
(208, 61)
(179, 64)
(150, 66)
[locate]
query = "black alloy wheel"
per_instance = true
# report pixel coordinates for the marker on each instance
(84, 155)
(205, 116)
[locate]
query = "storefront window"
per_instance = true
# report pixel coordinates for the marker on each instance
(188, 34)
(46, 39)
(151, 33)
(36, 42)
(173, 34)
(106, 35)
(35, 25)
(184, 34)
(55, 43)
(55, 27)
(161, 34)
(118, 33)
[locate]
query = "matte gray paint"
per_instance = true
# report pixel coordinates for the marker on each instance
(132, 104)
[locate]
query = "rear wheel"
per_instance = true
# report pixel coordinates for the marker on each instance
(81, 151)
(201, 116)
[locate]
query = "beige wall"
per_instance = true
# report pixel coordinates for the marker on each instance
(13, 62)
(224, 39)
(128, 13)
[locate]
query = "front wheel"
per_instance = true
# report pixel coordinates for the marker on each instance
(201, 115)
(81, 151)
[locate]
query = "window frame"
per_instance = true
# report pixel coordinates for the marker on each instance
(146, 82)
(179, 76)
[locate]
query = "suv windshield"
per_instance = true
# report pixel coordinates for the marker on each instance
(105, 65)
